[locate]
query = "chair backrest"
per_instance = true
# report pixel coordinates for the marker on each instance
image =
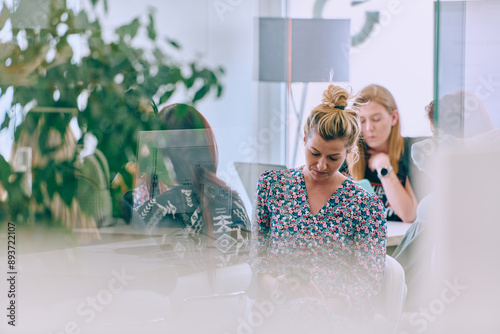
(250, 172)
(390, 300)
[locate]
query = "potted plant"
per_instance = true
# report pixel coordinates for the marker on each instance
(113, 90)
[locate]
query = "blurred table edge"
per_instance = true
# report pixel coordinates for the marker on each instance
(396, 232)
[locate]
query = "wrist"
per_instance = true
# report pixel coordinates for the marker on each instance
(384, 171)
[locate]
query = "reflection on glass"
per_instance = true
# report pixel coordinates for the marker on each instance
(179, 197)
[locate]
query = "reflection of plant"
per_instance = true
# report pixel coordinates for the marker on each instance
(115, 87)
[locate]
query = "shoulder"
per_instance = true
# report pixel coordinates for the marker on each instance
(409, 141)
(406, 162)
(280, 176)
(358, 195)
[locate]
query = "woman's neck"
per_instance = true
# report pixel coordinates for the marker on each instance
(384, 148)
(335, 180)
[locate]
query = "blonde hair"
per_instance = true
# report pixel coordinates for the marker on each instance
(382, 96)
(334, 119)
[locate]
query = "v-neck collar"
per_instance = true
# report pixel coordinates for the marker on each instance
(325, 205)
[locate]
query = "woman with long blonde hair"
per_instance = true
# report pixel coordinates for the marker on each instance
(381, 153)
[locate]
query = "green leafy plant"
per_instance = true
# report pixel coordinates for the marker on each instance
(114, 88)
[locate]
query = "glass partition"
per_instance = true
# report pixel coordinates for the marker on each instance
(467, 137)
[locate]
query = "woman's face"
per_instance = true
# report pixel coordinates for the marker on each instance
(323, 157)
(376, 125)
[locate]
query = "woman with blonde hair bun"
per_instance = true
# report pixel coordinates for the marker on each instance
(318, 236)
(381, 153)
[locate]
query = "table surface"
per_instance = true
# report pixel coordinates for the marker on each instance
(396, 232)
(58, 283)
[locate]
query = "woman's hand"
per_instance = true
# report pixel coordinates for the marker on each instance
(378, 160)
(401, 198)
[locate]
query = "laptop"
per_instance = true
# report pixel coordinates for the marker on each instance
(250, 172)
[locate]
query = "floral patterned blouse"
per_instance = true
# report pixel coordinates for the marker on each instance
(342, 247)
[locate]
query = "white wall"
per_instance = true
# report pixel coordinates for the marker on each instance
(398, 55)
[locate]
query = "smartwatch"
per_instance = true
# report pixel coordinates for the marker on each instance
(384, 171)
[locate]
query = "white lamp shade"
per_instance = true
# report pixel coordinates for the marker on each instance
(318, 47)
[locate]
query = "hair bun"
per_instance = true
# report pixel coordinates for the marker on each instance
(335, 97)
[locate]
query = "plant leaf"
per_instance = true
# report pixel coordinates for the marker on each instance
(81, 20)
(173, 43)
(151, 28)
(155, 107)
(68, 189)
(194, 74)
(6, 122)
(167, 95)
(4, 15)
(201, 93)
(219, 90)
(5, 170)
(128, 29)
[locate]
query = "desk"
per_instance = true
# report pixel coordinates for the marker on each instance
(123, 286)
(396, 232)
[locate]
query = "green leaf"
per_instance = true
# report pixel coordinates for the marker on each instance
(201, 93)
(128, 29)
(68, 188)
(4, 15)
(189, 82)
(151, 28)
(167, 95)
(219, 90)
(81, 20)
(48, 176)
(168, 75)
(5, 170)
(155, 107)
(173, 43)
(6, 122)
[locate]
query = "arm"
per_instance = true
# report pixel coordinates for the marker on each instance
(261, 260)
(369, 249)
(402, 199)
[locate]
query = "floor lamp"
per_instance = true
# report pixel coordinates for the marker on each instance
(303, 50)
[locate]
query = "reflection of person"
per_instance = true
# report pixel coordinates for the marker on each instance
(462, 120)
(316, 227)
(201, 208)
(463, 115)
(415, 250)
(381, 158)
